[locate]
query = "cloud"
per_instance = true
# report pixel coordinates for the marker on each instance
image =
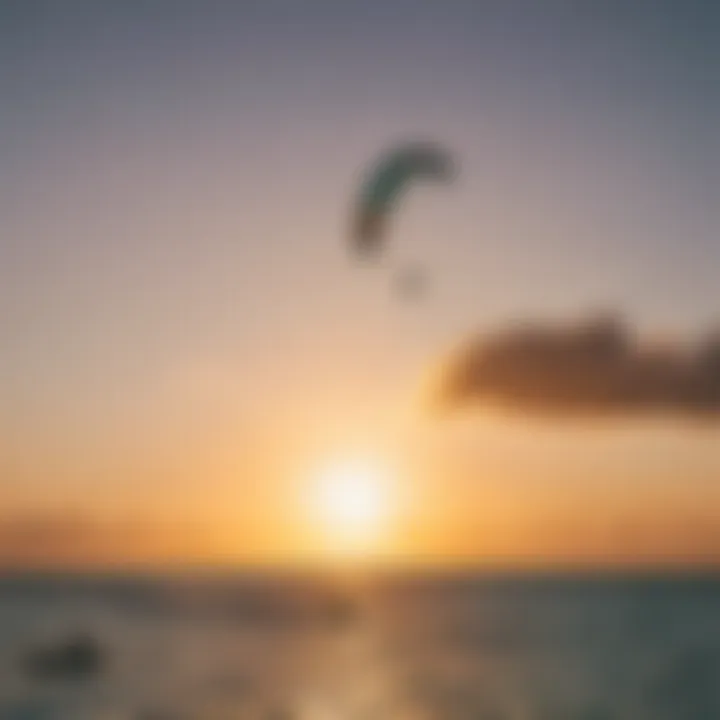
(594, 367)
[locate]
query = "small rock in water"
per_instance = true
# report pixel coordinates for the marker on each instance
(77, 657)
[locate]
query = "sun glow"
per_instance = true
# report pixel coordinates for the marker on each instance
(351, 506)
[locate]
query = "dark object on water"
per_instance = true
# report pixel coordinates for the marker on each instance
(77, 658)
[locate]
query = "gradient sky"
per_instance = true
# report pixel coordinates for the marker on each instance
(184, 334)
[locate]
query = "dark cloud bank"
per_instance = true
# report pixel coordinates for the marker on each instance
(590, 368)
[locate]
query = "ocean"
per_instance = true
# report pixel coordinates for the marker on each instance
(420, 646)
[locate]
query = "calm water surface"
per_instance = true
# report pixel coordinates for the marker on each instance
(475, 647)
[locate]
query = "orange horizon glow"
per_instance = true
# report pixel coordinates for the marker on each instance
(357, 485)
(325, 532)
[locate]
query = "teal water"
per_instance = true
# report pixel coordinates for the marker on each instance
(513, 648)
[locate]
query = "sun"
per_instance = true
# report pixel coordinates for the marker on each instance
(351, 504)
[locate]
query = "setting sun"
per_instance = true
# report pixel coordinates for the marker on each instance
(351, 505)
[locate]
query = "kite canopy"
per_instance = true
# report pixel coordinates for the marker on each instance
(387, 181)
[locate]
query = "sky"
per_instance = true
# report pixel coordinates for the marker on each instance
(185, 337)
